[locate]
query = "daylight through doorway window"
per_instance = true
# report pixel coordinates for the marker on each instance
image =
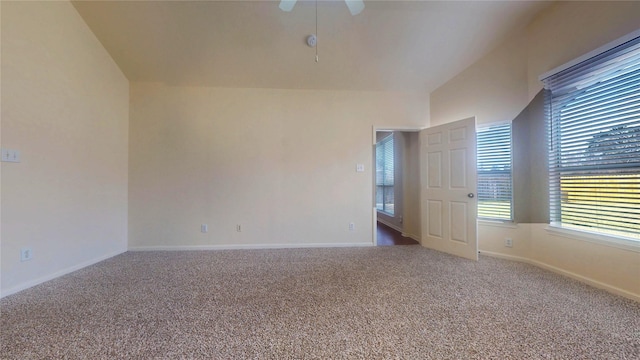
(494, 172)
(384, 175)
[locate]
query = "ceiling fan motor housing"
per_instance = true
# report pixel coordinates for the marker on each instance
(312, 40)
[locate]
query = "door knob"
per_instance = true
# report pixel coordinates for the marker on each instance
(470, 195)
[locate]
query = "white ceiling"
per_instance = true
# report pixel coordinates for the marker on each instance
(391, 45)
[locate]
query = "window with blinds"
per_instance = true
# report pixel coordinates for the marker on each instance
(384, 175)
(594, 129)
(494, 172)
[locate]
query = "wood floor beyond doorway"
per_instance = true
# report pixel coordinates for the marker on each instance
(388, 237)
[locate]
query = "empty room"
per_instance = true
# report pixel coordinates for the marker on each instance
(332, 179)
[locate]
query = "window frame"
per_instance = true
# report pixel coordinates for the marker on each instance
(598, 234)
(385, 187)
(487, 127)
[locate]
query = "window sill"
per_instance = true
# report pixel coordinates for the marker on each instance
(384, 213)
(596, 238)
(498, 223)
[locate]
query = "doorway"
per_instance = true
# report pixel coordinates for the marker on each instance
(396, 177)
(390, 237)
(444, 179)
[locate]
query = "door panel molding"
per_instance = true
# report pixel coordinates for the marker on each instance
(448, 173)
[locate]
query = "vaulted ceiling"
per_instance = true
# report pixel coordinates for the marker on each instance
(391, 45)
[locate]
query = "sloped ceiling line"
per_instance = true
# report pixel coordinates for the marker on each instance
(390, 46)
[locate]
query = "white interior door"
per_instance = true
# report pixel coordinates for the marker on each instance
(448, 189)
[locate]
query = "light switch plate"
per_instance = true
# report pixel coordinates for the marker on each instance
(26, 254)
(10, 155)
(360, 167)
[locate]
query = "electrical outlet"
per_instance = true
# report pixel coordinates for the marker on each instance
(26, 254)
(239, 228)
(508, 242)
(352, 227)
(204, 228)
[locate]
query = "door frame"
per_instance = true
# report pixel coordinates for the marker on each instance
(375, 129)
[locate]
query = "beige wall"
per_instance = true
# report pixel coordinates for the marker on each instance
(411, 226)
(1, 144)
(530, 168)
(494, 89)
(65, 107)
(611, 267)
(259, 158)
(589, 259)
(570, 29)
(281, 163)
(498, 88)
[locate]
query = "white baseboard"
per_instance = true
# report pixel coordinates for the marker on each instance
(399, 229)
(411, 236)
(247, 246)
(394, 227)
(586, 280)
(57, 274)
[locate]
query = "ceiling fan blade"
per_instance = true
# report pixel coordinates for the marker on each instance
(287, 5)
(355, 6)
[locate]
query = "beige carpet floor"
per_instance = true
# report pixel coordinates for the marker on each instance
(402, 302)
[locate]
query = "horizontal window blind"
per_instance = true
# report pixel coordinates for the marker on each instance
(494, 172)
(384, 175)
(594, 129)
